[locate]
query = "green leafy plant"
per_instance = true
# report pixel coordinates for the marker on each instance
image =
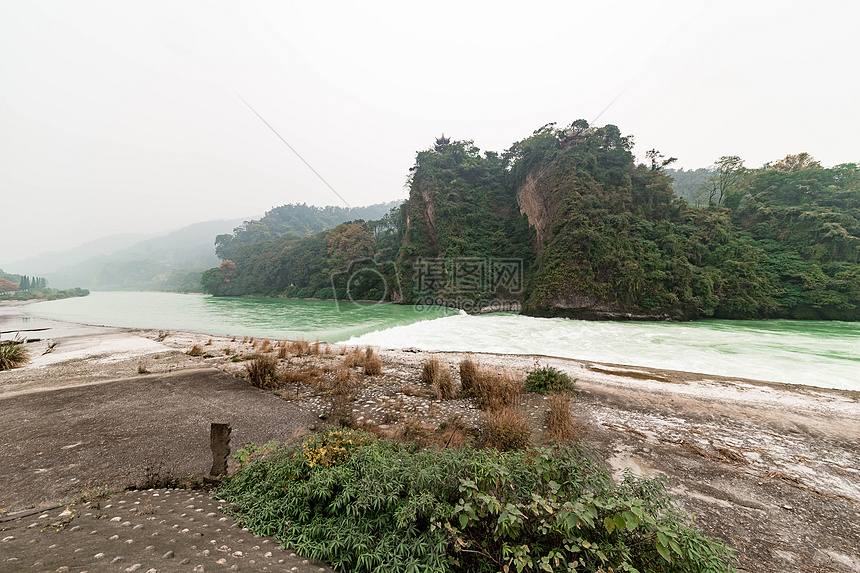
(365, 504)
(548, 379)
(12, 355)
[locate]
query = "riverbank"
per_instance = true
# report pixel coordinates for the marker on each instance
(771, 468)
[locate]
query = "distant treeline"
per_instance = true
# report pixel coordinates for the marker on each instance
(10, 282)
(44, 294)
(594, 234)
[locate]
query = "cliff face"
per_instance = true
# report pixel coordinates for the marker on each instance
(534, 205)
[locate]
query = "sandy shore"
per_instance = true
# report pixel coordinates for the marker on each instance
(771, 468)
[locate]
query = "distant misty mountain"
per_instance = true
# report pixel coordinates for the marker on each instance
(170, 262)
(47, 263)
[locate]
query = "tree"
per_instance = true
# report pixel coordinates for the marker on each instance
(727, 173)
(7, 286)
(658, 160)
(228, 270)
(792, 163)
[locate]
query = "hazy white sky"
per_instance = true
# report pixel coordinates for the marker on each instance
(122, 117)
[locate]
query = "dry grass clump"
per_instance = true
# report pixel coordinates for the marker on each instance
(355, 358)
(309, 376)
(263, 372)
(299, 347)
(195, 350)
(266, 346)
(283, 353)
(437, 375)
(494, 390)
(208, 342)
(141, 368)
(454, 432)
(560, 424)
(342, 397)
(506, 430)
(372, 362)
(12, 355)
(469, 372)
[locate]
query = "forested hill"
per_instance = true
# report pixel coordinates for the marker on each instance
(297, 220)
(567, 223)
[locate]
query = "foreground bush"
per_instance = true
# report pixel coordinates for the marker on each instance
(12, 355)
(364, 504)
(548, 379)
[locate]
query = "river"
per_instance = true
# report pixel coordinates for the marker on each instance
(816, 353)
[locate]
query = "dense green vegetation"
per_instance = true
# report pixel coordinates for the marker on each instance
(44, 294)
(366, 504)
(601, 236)
(295, 220)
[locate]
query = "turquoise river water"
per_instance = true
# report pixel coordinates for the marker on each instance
(825, 354)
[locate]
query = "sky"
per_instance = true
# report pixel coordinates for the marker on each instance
(120, 117)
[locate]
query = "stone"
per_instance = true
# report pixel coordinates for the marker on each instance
(168, 555)
(98, 555)
(117, 559)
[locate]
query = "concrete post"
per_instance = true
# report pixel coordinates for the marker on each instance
(219, 441)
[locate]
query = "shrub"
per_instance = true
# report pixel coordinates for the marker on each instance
(506, 430)
(263, 372)
(365, 504)
(372, 362)
(12, 355)
(560, 424)
(548, 379)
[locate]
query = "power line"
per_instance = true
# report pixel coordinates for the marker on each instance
(292, 149)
